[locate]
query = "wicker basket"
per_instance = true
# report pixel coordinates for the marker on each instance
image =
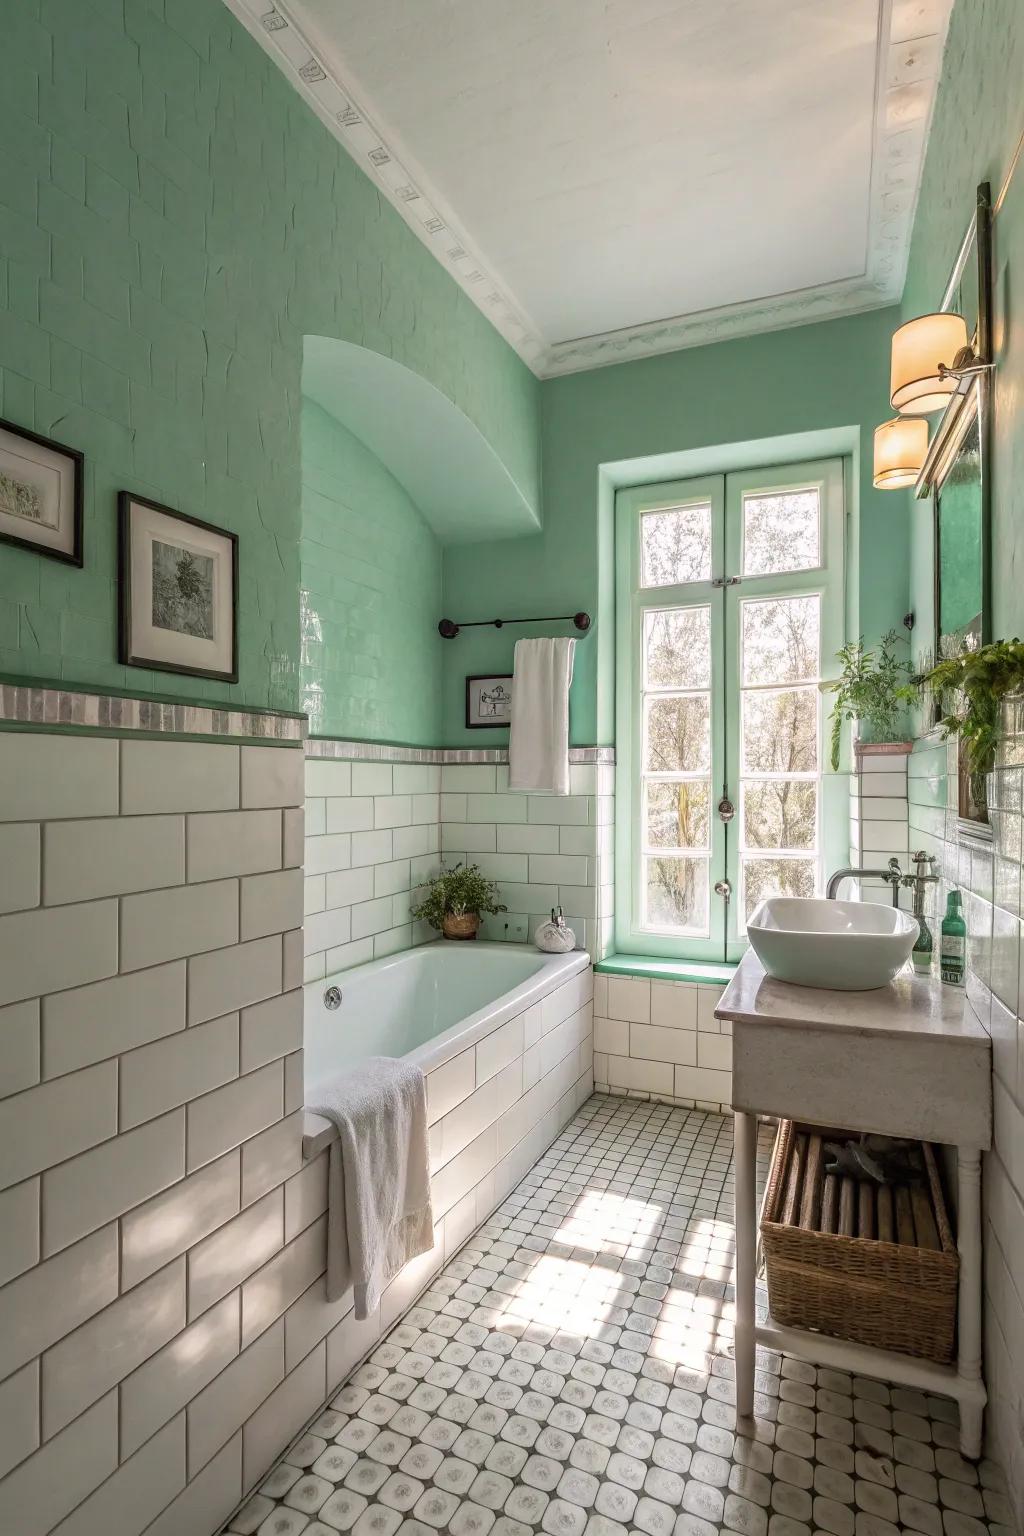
(891, 1295)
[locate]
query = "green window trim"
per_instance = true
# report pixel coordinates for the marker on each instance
(652, 969)
(722, 598)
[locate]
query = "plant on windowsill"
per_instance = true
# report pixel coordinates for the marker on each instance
(971, 688)
(455, 900)
(872, 689)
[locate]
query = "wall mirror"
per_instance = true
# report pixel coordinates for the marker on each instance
(955, 478)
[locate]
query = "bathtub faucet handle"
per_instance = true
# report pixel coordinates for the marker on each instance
(332, 998)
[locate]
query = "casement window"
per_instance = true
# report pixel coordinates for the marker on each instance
(730, 610)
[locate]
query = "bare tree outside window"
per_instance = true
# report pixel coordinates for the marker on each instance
(675, 545)
(781, 532)
(779, 732)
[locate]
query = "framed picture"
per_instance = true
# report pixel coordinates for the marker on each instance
(488, 701)
(178, 581)
(40, 494)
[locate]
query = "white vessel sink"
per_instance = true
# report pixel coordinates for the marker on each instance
(847, 946)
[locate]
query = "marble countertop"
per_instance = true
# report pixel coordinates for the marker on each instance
(909, 1007)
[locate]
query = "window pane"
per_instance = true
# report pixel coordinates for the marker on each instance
(780, 813)
(677, 735)
(678, 814)
(780, 640)
(676, 545)
(781, 532)
(775, 877)
(677, 648)
(780, 731)
(676, 894)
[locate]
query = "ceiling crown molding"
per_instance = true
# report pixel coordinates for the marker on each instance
(275, 27)
(909, 56)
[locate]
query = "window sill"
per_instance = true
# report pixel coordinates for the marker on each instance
(655, 969)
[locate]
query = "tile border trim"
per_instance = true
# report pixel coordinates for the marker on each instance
(34, 705)
(43, 705)
(385, 752)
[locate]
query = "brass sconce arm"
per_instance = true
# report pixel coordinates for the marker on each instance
(966, 365)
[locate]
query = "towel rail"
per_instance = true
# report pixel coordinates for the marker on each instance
(448, 629)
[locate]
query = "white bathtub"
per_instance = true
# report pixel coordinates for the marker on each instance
(426, 1004)
(504, 1036)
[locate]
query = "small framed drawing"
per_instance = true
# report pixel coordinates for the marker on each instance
(40, 494)
(488, 701)
(178, 581)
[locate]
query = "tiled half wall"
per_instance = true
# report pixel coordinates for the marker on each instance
(991, 877)
(163, 1328)
(154, 1219)
(376, 830)
(661, 1040)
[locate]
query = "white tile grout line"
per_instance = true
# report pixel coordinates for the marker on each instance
(569, 1371)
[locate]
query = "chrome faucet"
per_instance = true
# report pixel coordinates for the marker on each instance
(893, 876)
(924, 874)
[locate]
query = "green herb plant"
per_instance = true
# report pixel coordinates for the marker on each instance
(455, 892)
(873, 687)
(971, 688)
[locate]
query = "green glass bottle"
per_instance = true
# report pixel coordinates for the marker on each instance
(953, 946)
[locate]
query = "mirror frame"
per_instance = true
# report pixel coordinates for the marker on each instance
(972, 402)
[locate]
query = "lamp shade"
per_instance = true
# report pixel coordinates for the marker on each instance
(900, 449)
(917, 350)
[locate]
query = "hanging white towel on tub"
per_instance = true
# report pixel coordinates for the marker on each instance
(538, 748)
(378, 1185)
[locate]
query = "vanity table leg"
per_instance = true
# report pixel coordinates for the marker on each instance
(745, 1174)
(968, 1164)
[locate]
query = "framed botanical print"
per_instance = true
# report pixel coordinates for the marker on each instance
(488, 701)
(40, 494)
(178, 582)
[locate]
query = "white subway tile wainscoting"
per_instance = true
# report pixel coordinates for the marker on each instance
(879, 827)
(660, 1040)
(372, 837)
(377, 830)
(989, 874)
(150, 1011)
(569, 1372)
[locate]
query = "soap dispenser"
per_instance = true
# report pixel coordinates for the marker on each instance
(555, 937)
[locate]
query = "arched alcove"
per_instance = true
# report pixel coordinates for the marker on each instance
(442, 461)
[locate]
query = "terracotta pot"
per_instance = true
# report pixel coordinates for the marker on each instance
(464, 927)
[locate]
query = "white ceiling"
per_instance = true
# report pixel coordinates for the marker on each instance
(612, 178)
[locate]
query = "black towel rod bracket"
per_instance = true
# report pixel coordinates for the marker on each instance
(448, 628)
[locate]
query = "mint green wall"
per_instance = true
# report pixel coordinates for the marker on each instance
(371, 592)
(811, 378)
(979, 116)
(173, 221)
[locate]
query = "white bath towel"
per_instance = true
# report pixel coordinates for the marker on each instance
(378, 1187)
(538, 749)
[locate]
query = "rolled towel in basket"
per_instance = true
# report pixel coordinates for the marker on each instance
(378, 1186)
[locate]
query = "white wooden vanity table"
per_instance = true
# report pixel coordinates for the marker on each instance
(903, 1060)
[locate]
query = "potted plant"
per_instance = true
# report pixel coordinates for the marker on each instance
(971, 688)
(455, 899)
(871, 689)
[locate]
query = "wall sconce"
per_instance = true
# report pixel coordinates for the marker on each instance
(925, 353)
(900, 449)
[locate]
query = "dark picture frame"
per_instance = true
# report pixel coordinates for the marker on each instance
(74, 554)
(135, 611)
(475, 720)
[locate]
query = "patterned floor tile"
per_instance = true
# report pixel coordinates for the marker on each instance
(570, 1373)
